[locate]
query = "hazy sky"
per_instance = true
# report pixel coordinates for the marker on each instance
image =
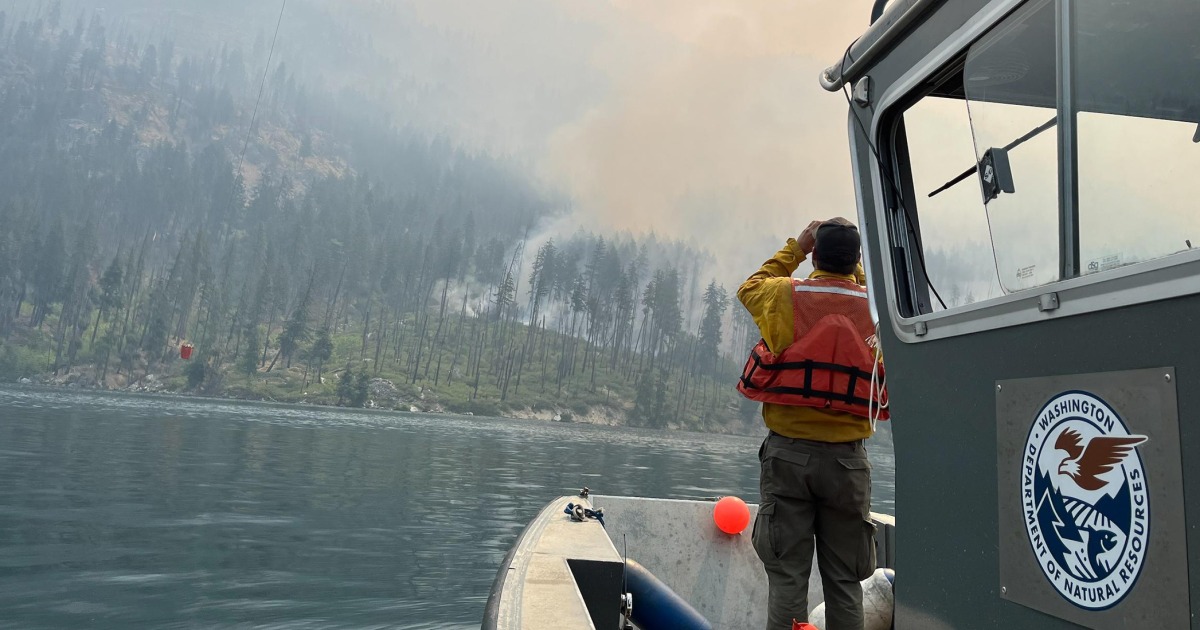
(698, 119)
(703, 120)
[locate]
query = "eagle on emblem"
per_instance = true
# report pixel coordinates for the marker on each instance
(1086, 462)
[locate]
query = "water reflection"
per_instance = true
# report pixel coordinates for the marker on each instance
(131, 511)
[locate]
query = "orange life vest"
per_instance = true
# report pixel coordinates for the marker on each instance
(829, 362)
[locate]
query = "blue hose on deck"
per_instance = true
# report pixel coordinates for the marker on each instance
(656, 606)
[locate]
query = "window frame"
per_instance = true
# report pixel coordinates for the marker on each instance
(1170, 276)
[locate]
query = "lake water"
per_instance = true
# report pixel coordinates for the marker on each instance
(122, 511)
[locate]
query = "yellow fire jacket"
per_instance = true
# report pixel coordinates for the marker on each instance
(768, 296)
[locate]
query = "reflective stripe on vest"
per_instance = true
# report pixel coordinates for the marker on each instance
(805, 288)
(814, 298)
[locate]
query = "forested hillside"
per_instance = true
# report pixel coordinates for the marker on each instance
(313, 251)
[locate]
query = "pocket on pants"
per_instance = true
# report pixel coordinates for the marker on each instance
(764, 544)
(866, 561)
(783, 473)
(855, 485)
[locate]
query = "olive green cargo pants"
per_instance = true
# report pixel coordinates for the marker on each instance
(814, 494)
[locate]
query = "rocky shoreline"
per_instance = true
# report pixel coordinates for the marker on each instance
(384, 395)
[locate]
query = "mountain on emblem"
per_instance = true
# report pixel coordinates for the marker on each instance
(1081, 535)
(1085, 463)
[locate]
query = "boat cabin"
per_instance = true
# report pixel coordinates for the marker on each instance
(1025, 174)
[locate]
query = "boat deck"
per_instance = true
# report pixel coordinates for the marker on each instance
(555, 575)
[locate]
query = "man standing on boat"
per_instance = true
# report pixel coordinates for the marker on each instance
(815, 371)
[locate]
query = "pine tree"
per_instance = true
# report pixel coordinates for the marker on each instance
(361, 389)
(48, 273)
(295, 332)
(149, 65)
(195, 372)
(716, 301)
(155, 339)
(248, 361)
(643, 402)
(660, 409)
(650, 406)
(322, 350)
(345, 386)
(110, 293)
(505, 292)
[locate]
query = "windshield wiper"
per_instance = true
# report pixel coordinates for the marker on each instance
(1029, 136)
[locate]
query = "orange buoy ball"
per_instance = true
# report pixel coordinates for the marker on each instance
(731, 515)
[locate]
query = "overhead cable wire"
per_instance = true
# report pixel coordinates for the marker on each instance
(257, 102)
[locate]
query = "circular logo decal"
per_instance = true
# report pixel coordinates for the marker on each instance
(1083, 491)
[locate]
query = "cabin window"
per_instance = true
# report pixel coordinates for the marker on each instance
(954, 229)
(1009, 81)
(1137, 86)
(996, 101)
(1063, 142)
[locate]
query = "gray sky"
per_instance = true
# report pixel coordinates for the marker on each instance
(699, 120)
(702, 120)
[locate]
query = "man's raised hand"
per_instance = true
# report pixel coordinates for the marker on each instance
(808, 238)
